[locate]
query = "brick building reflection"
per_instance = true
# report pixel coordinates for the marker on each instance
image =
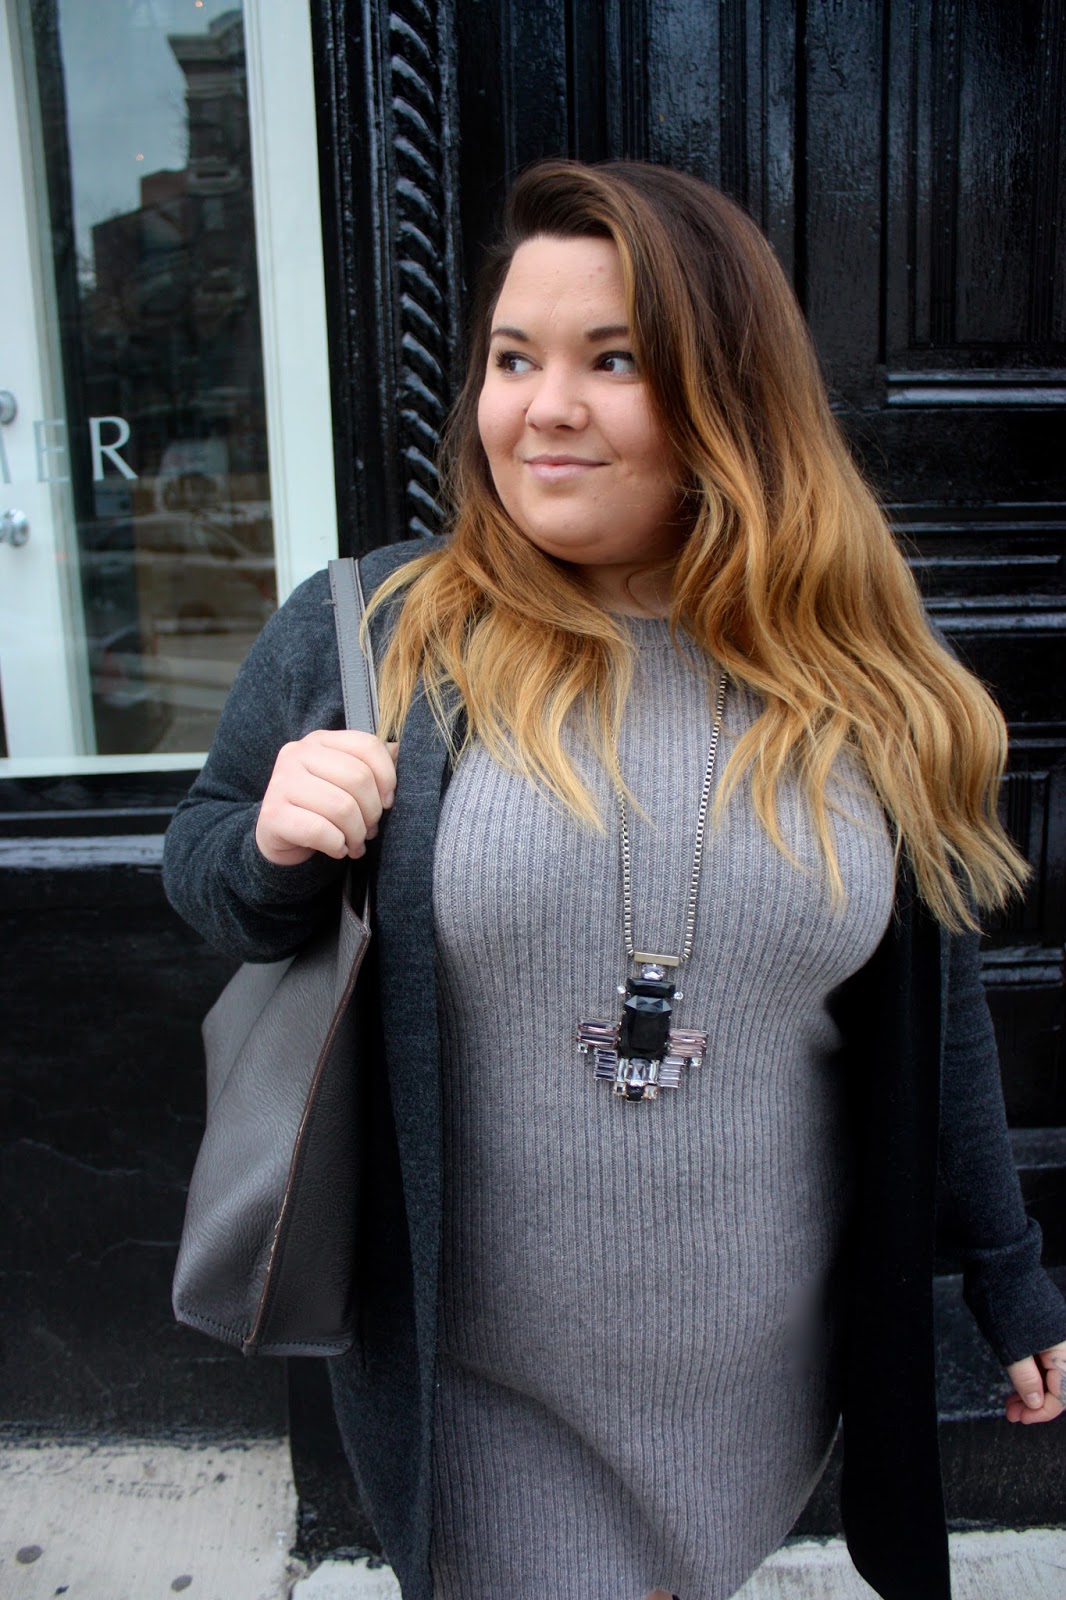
(171, 342)
(172, 325)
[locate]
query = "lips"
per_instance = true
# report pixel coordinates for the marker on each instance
(558, 469)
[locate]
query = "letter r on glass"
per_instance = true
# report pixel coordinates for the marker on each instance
(111, 451)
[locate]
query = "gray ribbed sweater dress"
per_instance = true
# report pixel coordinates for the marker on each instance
(636, 1378)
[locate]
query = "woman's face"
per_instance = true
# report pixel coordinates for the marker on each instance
(576, 452)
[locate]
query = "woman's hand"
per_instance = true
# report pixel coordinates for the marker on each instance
(326, 793)
(1039, 1386)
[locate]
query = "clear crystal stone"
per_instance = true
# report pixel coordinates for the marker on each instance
(652, 969)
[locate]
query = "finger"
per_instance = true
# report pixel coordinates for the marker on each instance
(1050, 1411)
(320, 755)
(295, 833)
(340, 807)
(1018, 1411)
(313, 812)
(367, 747)
(1028, 1381)
(324, 775)
(348, 773)
(1055, 1376)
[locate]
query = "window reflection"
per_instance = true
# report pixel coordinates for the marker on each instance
(145, 118)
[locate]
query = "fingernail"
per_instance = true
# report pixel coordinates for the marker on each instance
(1035, 1400)
(389, 798)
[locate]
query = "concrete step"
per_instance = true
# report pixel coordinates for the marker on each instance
(147, 1522)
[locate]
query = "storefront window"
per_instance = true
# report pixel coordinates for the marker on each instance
(137, 539)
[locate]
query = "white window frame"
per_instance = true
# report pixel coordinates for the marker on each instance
(292, 308)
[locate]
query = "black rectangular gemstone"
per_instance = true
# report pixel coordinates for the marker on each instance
(654, 988)
(645, 1027)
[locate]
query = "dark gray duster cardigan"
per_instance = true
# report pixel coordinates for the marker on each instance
(918, 1054)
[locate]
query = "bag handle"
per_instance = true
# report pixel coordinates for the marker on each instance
(358, 681)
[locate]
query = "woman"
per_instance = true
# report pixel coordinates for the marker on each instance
(682, 774)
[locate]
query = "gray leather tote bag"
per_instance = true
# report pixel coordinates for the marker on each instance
(267, 1255)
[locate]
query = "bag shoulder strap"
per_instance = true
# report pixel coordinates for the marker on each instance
(358, 681)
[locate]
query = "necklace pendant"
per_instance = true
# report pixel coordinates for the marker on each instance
(641, 1053)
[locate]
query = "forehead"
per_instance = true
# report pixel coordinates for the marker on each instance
(552, 277)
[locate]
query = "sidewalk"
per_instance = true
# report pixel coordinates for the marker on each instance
(147, 1522)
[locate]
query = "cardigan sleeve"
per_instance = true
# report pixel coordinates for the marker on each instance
(1017, 1306)
(214, 873)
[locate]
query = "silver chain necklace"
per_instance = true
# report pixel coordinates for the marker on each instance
(641, 1054)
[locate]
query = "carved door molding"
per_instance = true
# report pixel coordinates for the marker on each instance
(388, 169)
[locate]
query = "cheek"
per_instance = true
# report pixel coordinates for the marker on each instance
(496, 432)
(641, 439)
(484, 419)
(495, 424)
(655, 464)
(664, 468)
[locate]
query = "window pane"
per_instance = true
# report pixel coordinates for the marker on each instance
(144, 126)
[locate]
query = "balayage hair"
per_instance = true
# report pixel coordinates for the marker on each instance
(789, 576)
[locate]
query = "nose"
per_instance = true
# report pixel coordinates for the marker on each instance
(558, 401)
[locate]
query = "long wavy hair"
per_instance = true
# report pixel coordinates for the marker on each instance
(789, 575)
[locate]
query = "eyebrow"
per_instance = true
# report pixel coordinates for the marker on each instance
(613, 330)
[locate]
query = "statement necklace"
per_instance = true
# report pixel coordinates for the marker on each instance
(642, 1053)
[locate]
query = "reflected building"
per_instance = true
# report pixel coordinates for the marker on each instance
(172, 320)
(161, 338)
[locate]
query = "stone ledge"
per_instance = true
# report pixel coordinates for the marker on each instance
(132, 1522)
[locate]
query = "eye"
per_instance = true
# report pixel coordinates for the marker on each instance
(511, 361)
(622, 362)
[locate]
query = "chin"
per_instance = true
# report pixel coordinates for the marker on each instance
(576, 551)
